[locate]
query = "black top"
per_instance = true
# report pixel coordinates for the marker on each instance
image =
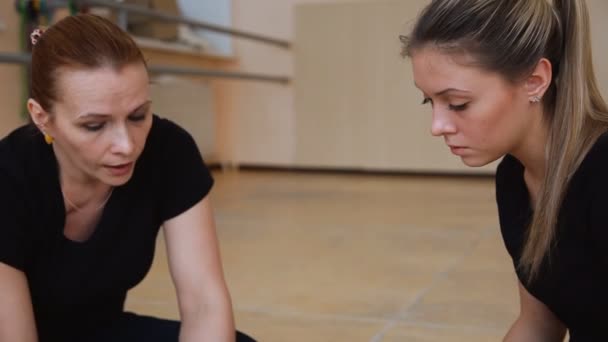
(574, 284)
(81, 286)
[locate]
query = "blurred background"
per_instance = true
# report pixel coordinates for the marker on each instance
(340, 217)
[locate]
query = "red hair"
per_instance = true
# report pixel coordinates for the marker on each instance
(79, 41)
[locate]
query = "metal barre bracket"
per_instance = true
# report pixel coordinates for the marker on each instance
(122, 8)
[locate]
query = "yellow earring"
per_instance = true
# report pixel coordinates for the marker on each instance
(49, 139)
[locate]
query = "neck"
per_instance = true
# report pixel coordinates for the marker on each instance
(69, 173)
(79, 189)
(531, 151)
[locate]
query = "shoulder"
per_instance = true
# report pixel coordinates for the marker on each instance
(168, 141)
(589, 184)
(590, 176)
(13, 143)
(20, 153)
(185, 178)
(596, 160)
(167, 132)
(22, 163)
(172, 146)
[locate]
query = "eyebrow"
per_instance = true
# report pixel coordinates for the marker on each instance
(85, 115)
(447, 90)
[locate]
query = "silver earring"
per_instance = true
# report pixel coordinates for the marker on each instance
(535, 99)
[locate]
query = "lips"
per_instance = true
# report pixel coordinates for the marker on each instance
(119, 169)
(457, 150)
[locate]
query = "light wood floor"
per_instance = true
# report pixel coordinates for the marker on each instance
(326, 257)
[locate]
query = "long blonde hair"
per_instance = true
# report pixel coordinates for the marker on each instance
(510, 37)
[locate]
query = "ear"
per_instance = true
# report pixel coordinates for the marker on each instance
(39, 116)
(539, 81)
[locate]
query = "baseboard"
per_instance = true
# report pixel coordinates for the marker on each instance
(350, 171)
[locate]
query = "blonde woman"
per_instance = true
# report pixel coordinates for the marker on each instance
(514, 79)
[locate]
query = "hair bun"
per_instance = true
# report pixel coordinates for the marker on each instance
(35, 35)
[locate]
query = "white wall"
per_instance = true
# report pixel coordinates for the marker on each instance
(260, 122)
(256, 121)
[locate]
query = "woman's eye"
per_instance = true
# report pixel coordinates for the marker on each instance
(137, 117)
(93, 126)
(458, 108)
(427, 100)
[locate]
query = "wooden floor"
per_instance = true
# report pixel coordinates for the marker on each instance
(327, 257)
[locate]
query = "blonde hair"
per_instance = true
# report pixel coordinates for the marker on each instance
(510, 37)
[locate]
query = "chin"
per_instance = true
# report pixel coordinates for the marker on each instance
(477, 161)
(116, 180)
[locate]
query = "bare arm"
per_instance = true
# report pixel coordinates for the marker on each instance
(16, 313)
(536, 323)
(196, 269)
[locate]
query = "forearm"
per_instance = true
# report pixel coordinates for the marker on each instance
(16, 324)
(16, 312)
(208, 324)
(19, 333)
